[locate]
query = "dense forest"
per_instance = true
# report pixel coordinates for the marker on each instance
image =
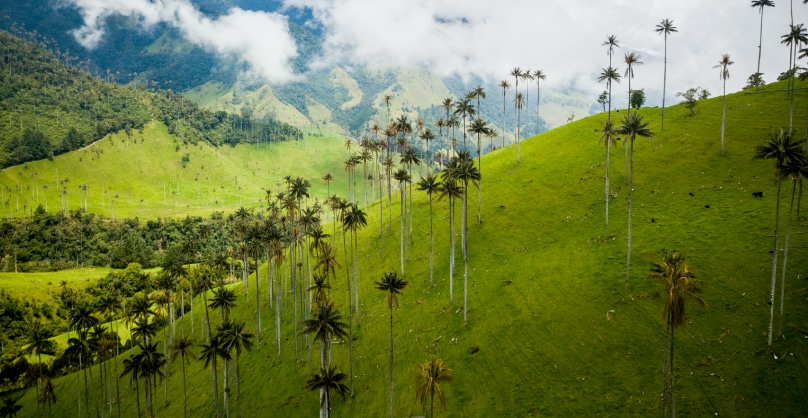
(50, 105)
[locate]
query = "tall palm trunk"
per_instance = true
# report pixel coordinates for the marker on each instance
(785, 255)
(451, 251)
(391, 360)
(723, 115)
(630, 197)
(215, 386)
(207, 314)
(184, 391)
(479, 183)
(431, 240)
(665, 390)
(774, 259)
(293, 264)
(664, 81)
(608, 141)
(504, 118)
(402, 217)
(226, 377)
(137, 398)
(626, 162)
(238, 385)
(465, 246)
(117, 387)
(518, 135)
(356, 270)
(191, 288)
(760, 44)
(258, 295)
(350, 311)
(381, 216)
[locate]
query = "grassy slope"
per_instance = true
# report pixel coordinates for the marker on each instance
(41, 286)
(546, 345)
(140, 168)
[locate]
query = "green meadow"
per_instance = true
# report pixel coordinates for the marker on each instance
(553, 329)
(143, 175)
(44, 286)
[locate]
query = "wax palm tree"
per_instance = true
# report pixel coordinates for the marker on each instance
(609, 75)
(516, 73)
(402, 176)
(235, 337)
(448, 105)
(325, 325)
(519, 101)
(320, 288)
(131, 367)
(761, 4)
(505, 86)
(329, 380)
(611, 43)
(386, 99)
(539, 75)
(631, 60)
(48, 394)
(464, 109)
(632, 127)
(10, 408)
(393, 286)
(450, 188)
(430, 184)
(354, 220)
(410, 157)
(427, 135)
(666, 27)
(479, 127)
(527, 77)
(81, 320)
(786, 152)
(796, 36)
(723, 65)
(433, 373)
(609, 138)
(151, 365)
(678, 285)
(209, 354)
(223, 299)
(38, 343)
(327, 261)
(181, 348)
(465, 172)
(78, 348)
(796, 171)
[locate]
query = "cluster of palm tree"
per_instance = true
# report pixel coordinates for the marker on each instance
(520, 101)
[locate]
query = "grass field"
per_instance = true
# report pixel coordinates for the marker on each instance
(43, 286)
(553, 330)
(143, 176)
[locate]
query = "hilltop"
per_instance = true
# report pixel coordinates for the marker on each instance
(552, 328)
(48, 108)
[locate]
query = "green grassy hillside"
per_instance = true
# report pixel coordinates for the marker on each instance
(143, 175)
(552, 328)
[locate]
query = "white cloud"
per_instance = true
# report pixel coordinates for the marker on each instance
(488, 38)
(562, 37)
(259, 39)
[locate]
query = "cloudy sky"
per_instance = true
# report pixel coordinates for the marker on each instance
(487, 38)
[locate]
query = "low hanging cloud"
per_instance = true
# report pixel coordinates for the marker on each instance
(258, 39)
(562, 37)
(486, 38)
